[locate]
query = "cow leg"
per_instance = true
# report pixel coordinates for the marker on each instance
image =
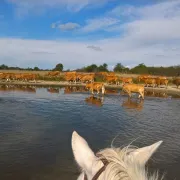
(141, 95)
(103, 90)
(166, 86)
(129, 93)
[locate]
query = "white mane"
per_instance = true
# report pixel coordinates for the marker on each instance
(120, 167)
(123, 164)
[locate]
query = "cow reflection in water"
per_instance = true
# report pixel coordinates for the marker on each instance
(111, 91)
(53, 90)
(133, 104)
(97, 101)
(71, 89)
(18, 88)
(156, 94)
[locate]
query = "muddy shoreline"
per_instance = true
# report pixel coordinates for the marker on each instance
(171, 88)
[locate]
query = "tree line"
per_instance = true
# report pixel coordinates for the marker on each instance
(58, 67)
(119, 68)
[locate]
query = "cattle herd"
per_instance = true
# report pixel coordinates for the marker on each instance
(129, 84)
(18, 76)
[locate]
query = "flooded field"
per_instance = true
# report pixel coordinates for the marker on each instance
(36, 126)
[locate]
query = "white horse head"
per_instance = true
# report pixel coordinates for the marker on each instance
(120, 164)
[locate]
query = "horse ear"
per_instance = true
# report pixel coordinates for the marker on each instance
(142, 155)
(84, 156)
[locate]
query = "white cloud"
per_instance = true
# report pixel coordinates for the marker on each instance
(46, 54)
(91, 25)
(99, 24)
(68, 26)
(149, 25)
(27, 6)
(151, 30)
(159, 10)
(95, 48)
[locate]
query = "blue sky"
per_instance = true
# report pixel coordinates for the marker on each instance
(81, 32)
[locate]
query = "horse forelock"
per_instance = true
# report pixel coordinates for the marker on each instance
(120, 167)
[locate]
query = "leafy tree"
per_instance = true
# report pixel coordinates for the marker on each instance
(91, 68)
(3, 66)
(140, 69)
(119, 67)
(29, 69)
(36, 68)
(59, 67)
(103, 68)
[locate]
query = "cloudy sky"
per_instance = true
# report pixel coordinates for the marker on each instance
(80, 32)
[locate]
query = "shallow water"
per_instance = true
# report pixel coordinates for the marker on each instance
(36, 127)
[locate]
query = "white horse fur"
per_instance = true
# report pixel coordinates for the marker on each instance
(124, 164)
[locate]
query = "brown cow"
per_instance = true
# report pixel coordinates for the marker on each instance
(29, 77)
(111, 79)
(71, 76)
(162, 77)
(88, 78)
(6, 76)
(53, 73)
(126, 80)
(141, 77)
(149, 81)
(102, 73)
(96, 86)
(134, 88)
(111, 74)
(176, 81)
(161, 81)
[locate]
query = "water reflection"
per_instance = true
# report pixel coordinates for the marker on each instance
(162, 94)
(72, 89)
(53, 90)
(112, 91)
(97, 101)
(136, 104)
(17, 88)
(35, 130)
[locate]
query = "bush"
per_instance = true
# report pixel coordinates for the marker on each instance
(47, 78)
(99, 78)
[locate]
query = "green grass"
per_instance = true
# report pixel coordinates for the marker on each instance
(47, 78)
(99, 78)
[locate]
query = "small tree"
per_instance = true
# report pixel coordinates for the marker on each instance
(91, 68)
(103, 68)
(119, 67)
(59, 67)
(140, 69)
(36, 68)
(3, 66)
